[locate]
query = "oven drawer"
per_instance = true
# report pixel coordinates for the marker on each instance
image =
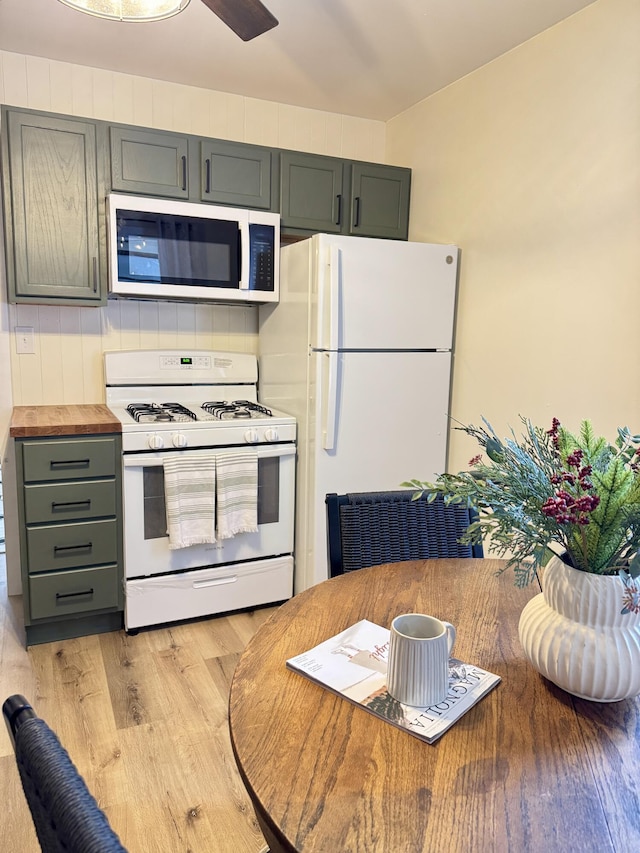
(67, 593)
(65, 546)
(68, 501)
(69, 459)
(206, 592)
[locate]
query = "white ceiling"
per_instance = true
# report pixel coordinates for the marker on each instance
(368, 58)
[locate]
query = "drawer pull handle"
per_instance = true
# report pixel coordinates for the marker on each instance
(60, 595)
(207, 186)
(215, 582)
(69, 463)
(86, 546)
(62, 504)
(339, 217)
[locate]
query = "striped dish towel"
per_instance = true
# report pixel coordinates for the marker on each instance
(190, 494)
(237, 493)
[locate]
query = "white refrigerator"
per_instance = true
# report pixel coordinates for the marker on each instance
(359, 350)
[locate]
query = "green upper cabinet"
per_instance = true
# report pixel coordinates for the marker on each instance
(57, 171)
(311, 192)
(54, 208)
(148, 162)
(236, 174)
(336, 196)
(379, 201)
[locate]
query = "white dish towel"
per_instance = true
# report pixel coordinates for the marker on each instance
(237, 493)
(190, 496)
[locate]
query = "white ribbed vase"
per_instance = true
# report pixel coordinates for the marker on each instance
(574, 634)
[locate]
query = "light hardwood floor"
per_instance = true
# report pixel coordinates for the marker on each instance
(144, 719)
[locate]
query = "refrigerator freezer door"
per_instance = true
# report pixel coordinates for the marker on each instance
(388, 423)
(383, 294)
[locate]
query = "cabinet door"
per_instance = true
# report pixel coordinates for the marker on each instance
(149, 162)
(311, 194)
(379, 201)
(236, 174)
(53, 209)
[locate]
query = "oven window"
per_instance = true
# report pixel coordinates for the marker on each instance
(155, 517)
(268, 490)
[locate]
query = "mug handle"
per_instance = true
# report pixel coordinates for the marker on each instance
(451, 635)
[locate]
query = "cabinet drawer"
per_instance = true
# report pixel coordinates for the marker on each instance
(69, 501)
(69, 459)
(65, 593)
(65, 546)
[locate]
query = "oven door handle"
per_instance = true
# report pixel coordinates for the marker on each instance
(147, 460)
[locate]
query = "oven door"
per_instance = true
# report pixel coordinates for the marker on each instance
(146, 543)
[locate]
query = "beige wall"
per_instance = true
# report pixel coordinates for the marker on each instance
(532, 165)
(67, 364)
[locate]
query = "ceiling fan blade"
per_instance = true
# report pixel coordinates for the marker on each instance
(247, 18)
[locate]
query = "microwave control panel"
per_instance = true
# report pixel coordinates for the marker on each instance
(261, 257)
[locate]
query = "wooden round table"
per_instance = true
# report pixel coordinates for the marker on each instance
(529, 768)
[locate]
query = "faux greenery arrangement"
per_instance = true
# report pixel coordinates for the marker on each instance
(554, 492)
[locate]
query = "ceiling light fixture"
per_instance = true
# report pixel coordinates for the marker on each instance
(129, 10)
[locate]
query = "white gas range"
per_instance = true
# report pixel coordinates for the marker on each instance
(183, 404)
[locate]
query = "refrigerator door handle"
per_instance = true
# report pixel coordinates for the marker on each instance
(330, 399)
(333, 299)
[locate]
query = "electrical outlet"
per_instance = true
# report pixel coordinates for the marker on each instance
(24, 339)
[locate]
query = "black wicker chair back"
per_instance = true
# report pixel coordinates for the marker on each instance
(370, 528)
(66, 817)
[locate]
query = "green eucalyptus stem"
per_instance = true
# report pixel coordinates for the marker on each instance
(574, 492)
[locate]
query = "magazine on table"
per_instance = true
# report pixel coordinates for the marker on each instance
(353, 664)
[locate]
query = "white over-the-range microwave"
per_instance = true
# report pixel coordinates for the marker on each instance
(165, 249)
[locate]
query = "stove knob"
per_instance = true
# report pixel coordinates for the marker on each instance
(179, 440)
(252, 436)
(271, 434)
(155, 441)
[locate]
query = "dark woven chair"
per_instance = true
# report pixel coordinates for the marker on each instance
(370, 528)
(66, 817)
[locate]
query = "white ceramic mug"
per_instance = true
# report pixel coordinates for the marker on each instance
(418, 668)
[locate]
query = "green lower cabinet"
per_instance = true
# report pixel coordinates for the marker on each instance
(64, 546)
(55, 502)
(62, 594)
(70, 514)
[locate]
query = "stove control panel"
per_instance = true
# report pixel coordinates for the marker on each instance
(185, 362)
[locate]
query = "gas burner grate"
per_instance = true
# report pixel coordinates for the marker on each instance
(179, 411)
(236, 409)
(160, 413)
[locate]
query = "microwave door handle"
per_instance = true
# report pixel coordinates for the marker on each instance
(243, 257)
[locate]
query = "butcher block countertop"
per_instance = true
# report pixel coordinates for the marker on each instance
(33, 421)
